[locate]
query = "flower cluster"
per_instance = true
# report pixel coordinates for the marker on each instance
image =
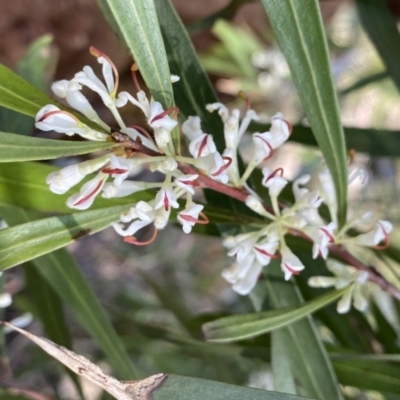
(252, 250)
(255, 250)
(345, 276)
(113, 170)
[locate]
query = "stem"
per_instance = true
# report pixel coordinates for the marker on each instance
(249, 170)
(241, 194)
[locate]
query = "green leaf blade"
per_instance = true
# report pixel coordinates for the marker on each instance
(137, 23)
(299, 30)
(246, 326)
(32, 239)
(62, 273)
(17, 148)
(187, 388)
(381, 28)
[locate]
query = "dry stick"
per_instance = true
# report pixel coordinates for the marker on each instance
(242, 194)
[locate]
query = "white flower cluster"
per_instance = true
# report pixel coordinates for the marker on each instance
(205, 157)
(255, 250)
(120, 166)
(252, 250)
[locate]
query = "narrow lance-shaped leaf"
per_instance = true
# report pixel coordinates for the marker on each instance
(310, 365)
(382, 30)
(23, 148)
(24, 185)
(19, 95)
(30, 240)
(194, 90)
(48, 308)
(136, 22)
(60, 271)
(299, 30)
(238, 327)
(37, 66)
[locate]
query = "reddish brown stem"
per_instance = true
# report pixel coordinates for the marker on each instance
(241, 195)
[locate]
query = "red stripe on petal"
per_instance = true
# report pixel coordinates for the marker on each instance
(291, 270)
(266, 253)
(118, 171)
(91, 194)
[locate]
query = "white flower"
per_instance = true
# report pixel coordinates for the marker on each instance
(190, 216)
(191, 128)
(64, 179)
(61, 181)
(157, 118)
(71, 92)
(215, 166)
(322, 237)
(142, 215)
(265, 143)
(135, 135)
(345, 276)
(232, 130)
(265, 251)
(291, 265)
(124, 189)
(379, 232)
(118, 168)
(175, 78)
(187, 182)
(262, 146)
(280, 130)
(88, 78)
(243, 276)
(166, 198)
(85, 198)
(201, 144)
(298, 191)
(273, 181)
(5, 300)
(243, 248)
(51, 118)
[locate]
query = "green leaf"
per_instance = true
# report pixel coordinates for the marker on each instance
(310, 365)
(24, 185)
(22, 148)
(244, 326)
(169, 302)
(37, 66)
(19, 95)
(280, 364)
(194, 89)
(299, 30)
(60, 270)
(364, 82)
(32, 239)
(137, 23)
(369, 375)
(365, 357)
(48, 306)
(381, 28)
(240, 44)
(186, 388)
(226, 13)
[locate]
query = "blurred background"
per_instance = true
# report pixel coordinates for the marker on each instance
(159, 294)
